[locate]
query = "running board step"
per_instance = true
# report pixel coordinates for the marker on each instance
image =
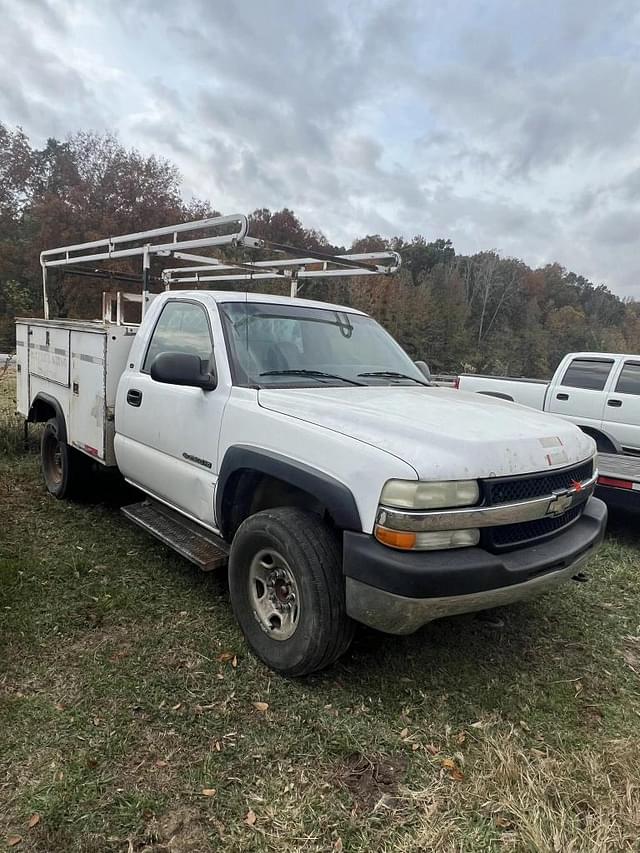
(187, 538)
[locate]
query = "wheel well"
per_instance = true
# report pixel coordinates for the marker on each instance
(247, 492)
(604, 442)
(45, 407)
(41, 411)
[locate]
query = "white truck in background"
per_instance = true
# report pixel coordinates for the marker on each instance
(600, 393)
(297, 443)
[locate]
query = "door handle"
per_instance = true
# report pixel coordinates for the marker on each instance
(562, 396)
(134, 397)
(615, 403)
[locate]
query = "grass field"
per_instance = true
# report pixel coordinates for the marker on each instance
(128, 715)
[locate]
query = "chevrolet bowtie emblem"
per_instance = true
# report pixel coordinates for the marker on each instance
(560, 503)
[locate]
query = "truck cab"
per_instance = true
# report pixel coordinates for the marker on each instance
(600, 391)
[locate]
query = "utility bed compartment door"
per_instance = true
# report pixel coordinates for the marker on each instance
(22, 368)
(87, 400)
(49, 354)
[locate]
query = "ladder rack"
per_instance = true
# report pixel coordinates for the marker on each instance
(172, 241)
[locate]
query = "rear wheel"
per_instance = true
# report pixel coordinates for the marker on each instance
(63, 468)
(287, 590)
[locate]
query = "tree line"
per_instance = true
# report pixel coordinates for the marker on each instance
(479, 312)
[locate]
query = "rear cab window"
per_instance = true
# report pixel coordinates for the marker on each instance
(629, 379)
(588, 373)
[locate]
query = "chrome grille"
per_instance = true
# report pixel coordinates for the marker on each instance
(516, 535)
(512, 489)
(508, 489)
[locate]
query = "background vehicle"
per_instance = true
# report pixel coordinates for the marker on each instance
(298, 442)
(600, 392)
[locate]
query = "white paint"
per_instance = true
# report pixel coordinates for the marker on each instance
(92, 356)
(360, 436)
(623, 421)
(582, 406)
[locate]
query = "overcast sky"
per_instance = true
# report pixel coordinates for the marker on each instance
(504, 124)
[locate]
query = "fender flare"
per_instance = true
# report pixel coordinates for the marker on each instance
(594, 432)
(48, 400)
(497, 394)
(334, 495)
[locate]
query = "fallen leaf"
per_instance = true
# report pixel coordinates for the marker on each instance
(59, 706)
(208, 792)
(431, 748)
(177, 707)
(337, 845)
(12, 840)
(250, 818)
(404, 733)
(234, 662)
(452, 768)
(225, 657)
(161, 763)
(261, 706)
(478, 725)
(461, 737)
(34, 820)
(503, 823)
(415, 747)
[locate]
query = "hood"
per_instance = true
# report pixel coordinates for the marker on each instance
(441, 432)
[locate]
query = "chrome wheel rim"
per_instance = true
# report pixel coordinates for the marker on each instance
(274, 595)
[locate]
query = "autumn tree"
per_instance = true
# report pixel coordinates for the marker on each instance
(481, 312)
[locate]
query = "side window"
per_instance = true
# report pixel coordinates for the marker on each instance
(629, 379)
(182, 327)
(587, 373)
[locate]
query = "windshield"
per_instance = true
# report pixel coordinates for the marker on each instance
(273, 345)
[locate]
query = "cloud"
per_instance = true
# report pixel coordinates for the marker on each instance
(509, 125)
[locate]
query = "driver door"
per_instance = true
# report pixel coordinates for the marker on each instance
(167, 435)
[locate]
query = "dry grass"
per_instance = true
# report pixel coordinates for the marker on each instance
(537, 798)
(120, 704)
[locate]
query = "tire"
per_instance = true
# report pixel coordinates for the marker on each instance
(64, 469)
(287, 590)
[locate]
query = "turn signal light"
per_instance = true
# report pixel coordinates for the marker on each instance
(396, 538)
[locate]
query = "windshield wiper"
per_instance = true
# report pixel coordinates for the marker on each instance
(314, 374)
(393, 375)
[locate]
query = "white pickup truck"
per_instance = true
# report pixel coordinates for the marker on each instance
(298, 442)
(600, 392)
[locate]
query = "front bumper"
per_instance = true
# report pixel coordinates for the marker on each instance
(399, 591)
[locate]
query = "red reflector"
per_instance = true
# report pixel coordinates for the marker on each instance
(91, 450)
(615, 483)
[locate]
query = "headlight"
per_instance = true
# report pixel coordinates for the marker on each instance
(412, 494)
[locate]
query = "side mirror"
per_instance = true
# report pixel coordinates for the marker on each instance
(181, 368)
(423, 367)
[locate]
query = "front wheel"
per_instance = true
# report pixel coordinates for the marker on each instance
(287, 590)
